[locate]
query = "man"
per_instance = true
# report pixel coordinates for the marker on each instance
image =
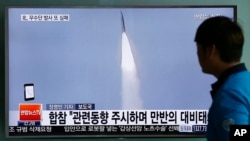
(219, 49)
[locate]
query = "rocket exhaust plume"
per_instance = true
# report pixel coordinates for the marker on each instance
(130, 93)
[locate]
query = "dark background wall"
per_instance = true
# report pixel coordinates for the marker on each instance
(242, 14)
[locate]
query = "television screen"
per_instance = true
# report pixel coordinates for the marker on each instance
(106, 71)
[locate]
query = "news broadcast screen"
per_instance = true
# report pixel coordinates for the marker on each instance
(106, 71)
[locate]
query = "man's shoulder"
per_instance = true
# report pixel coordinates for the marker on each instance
(240, 78)
(236, 85)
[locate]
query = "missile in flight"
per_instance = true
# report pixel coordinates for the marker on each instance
(130, 85)
(123, 23)
(127, 60)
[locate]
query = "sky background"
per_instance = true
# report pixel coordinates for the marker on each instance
(79, 61)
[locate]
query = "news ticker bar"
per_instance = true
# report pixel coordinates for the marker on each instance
(107, 130)
(239, 132)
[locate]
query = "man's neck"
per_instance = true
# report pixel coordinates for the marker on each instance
(222, 67)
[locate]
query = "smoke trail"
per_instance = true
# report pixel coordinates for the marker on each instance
(130, 83)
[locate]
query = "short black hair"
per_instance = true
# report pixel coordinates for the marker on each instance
(225, 34)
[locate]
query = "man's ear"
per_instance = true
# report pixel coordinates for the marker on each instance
(212, 52)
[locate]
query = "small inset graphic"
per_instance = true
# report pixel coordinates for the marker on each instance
(29, 92)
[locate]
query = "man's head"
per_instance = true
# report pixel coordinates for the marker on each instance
(219, 40)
